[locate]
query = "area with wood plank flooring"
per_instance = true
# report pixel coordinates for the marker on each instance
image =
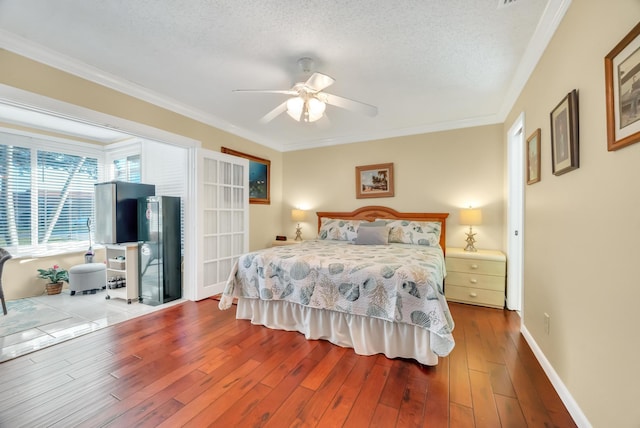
(193, 365)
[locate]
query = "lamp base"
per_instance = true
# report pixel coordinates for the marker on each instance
(298, 233)
(470, 241)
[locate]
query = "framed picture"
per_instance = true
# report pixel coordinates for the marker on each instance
(259, 176)
(564, 135)
(374, 181)
(622, 84)
(533, 157)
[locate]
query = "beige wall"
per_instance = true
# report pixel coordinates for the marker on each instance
(437, 172)
(20, 275)
(581, 250)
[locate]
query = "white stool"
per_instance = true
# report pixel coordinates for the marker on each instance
(87, 277)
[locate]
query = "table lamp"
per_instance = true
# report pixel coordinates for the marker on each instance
(298, 215)
(470, 217)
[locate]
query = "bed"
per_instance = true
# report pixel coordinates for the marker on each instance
(372, 281)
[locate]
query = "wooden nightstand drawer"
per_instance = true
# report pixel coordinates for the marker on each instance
(475, 277)
(485, 282)
(475, 296)
(480, 267)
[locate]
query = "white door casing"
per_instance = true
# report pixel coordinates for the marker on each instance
(515, 214)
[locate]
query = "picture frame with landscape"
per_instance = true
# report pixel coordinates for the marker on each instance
(622, 89)
(564, 135)
(374, 181)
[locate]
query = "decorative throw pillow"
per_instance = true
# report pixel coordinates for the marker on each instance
(338, 230)
(414, 232)
(373, 235)
(373, 223)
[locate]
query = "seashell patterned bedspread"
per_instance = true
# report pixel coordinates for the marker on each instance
(397, 282)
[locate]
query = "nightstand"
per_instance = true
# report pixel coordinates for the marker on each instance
(287, 242)
(477, 277)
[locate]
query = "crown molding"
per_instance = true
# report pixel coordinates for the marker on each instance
(46, 56)
(54, 107)
(549, 22)
(394, 133)
(551, 18)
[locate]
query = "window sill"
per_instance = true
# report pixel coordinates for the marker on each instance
(48, 251)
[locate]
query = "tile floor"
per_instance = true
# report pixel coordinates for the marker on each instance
(89, 312)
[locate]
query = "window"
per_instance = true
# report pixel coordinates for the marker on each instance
(15, 196)
(127, 169)
(46, 195)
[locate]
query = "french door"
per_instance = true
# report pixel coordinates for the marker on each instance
(223, 218)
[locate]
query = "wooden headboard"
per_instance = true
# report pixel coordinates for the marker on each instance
(370, 213)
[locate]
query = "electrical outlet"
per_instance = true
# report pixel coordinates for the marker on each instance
(547, 321)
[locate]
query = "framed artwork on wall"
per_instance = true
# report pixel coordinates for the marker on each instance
(259, 176)
(374, 181)
(564, 135)
(622, 85)
(533, 157)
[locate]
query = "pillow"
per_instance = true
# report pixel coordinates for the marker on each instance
(414, 232)
(373, 235)
(373, 223)
(338, 230)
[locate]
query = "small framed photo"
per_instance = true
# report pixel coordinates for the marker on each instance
(259, 177)
(533, 157)
(564, 135)
(622, 85)
(374, 181)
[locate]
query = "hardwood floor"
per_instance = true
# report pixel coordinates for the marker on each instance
(194, 365)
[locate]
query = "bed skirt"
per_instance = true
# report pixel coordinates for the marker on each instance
(367, 336)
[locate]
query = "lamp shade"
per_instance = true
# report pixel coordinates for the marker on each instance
(315, 108)
(295, 106)
(307, 109)
(298, 215)
(471, 216)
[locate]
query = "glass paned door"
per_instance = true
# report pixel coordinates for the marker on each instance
(223, 202)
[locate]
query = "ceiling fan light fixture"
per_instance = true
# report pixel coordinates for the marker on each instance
(308, 111)
(307, 100)
(295, 106)
(315, 108)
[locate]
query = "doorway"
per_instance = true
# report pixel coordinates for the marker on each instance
(87, 120)
(515, 215)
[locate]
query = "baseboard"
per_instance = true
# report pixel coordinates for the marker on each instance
(574, 410)
(219, 296)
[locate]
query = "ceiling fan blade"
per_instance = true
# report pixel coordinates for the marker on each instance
(348, 104)
(319, 81)
(269, 91)
(274, 113)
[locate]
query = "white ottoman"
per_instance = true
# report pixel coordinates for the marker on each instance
(87, 277)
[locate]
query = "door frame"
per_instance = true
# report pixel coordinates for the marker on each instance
(43, 104)
(515, 215)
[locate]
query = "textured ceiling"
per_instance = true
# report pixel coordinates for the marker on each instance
(426, 64)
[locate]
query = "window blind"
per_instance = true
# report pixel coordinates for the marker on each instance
(128, 169)
(15, 196)
(46, 196)
(65, 196)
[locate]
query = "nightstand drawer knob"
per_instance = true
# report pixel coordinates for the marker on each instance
(473, 281)
(474, 266)
(473, 294)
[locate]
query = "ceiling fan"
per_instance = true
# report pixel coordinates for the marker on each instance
(308, 101)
